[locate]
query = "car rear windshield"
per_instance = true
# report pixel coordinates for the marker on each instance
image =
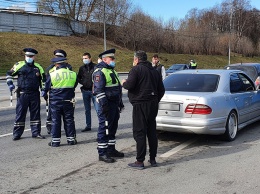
(191, 82)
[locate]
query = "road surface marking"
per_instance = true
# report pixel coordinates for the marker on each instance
(8, 134)
(178, 148)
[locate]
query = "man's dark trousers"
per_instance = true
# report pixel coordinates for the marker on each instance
(144, 124)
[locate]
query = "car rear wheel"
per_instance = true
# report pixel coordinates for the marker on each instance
(231, 127)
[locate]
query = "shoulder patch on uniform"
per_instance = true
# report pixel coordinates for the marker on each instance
(97, 78)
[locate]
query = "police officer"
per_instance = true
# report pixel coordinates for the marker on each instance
(108, 92)
(61, 85)
(57, 53)
(31, 77)
(193, 64)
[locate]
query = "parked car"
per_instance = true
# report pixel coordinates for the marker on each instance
(215, 102)
(176, 67)
(251, 69)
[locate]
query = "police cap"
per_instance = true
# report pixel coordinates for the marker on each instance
(58, 60)
(30, 51)
(60, 52)
(108, 53)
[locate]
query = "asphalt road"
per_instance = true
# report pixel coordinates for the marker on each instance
(187, 163)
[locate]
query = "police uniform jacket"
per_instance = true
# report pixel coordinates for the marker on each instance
(144, 83)
(106, 84)
(85, 76)
(31, 76)
(61, 83)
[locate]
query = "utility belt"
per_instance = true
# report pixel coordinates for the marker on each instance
(20, 91)
(73, 101)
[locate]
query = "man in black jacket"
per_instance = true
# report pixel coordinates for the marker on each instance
(85, 78)
(145, 90)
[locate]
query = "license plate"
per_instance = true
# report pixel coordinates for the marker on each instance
(169, 106)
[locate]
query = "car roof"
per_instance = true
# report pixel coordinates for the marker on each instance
(248, 64)
(252, 69)
(179, 64)
(208, 71)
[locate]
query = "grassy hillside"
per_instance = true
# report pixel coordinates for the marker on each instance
(12, 44)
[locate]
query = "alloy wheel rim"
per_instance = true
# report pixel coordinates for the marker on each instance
(232, 125)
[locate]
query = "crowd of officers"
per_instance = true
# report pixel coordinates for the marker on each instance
(100, 84)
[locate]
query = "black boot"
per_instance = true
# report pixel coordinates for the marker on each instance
(86, 129)
(116, 154)
(106, 159)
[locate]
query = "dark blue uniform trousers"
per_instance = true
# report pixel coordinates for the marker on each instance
(65, 110)
(106, 143)
(32, 101)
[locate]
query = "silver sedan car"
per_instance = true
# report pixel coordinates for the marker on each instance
(215, 102)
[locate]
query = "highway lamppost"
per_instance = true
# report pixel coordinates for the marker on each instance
(229, 41)
(104, 23)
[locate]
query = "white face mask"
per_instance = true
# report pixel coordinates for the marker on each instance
(29, 59)
(86, 61)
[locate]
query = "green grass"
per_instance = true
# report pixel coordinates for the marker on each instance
(12, 44)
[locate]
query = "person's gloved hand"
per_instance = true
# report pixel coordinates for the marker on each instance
(11, 87)
(105, 111)
(44, 95)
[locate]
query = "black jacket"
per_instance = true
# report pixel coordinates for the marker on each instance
(85, 76)
(144, 83)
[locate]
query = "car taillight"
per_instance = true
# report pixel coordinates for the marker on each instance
(198, 109)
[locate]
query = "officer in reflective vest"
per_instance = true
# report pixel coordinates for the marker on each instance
(61, 85)
(193, 64)
(108, 92)
(51, 68)
(31, 77)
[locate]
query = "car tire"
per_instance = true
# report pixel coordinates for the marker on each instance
(231, 127)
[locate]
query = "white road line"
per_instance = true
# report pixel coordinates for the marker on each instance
(8, 134)
(178, 148)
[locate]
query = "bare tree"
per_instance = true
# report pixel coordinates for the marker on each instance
(72, 10)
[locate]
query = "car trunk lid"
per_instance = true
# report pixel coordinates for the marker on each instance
(174, 103)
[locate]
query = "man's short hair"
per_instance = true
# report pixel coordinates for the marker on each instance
(141, 55)
(155, 56)
(87, 54)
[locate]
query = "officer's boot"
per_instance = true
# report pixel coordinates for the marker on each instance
(106, 159)
(116, 154)
(54, 143)
(71, 141)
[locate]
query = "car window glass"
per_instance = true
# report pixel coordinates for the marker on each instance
(191, 82)
(240, 83)
(247, 83)
(176, 67)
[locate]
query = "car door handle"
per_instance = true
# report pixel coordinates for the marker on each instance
(236, 99)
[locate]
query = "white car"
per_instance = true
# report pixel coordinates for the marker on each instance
(215, 102)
